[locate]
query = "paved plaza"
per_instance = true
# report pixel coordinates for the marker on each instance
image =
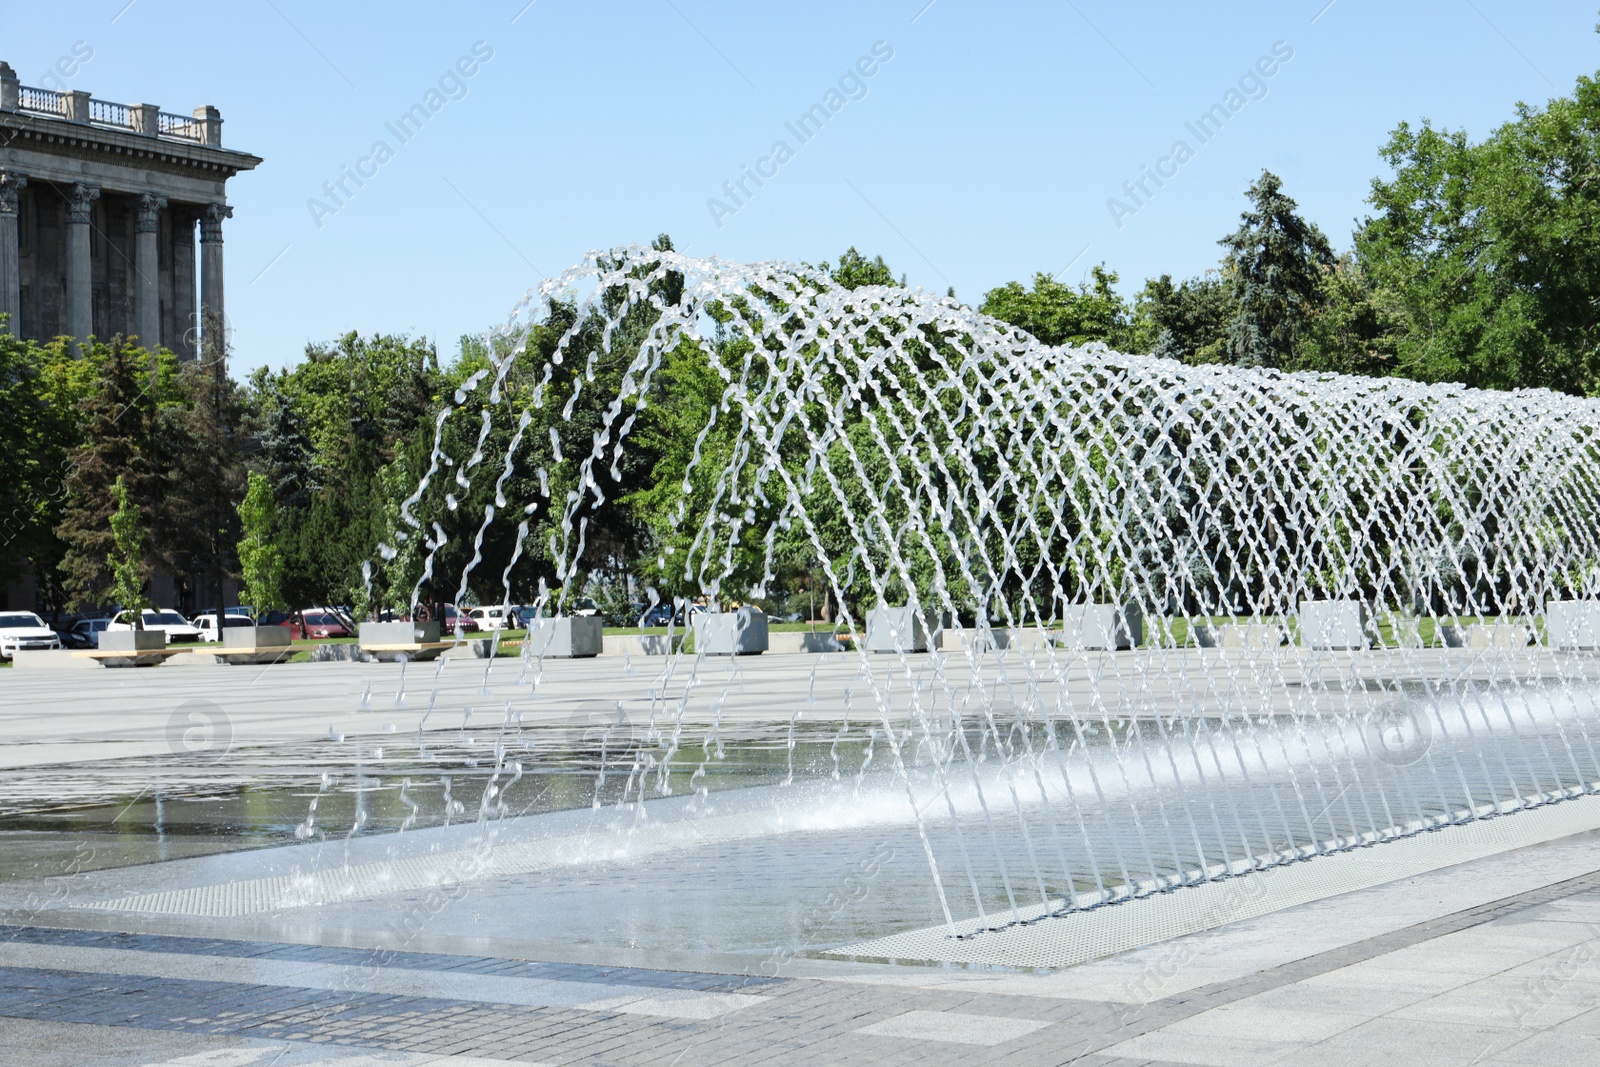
(101, 713)
(1491, 961)
(1511, 980)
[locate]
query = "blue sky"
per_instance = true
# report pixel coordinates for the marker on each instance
(986, 148)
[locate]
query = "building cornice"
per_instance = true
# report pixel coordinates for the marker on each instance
(20, 130)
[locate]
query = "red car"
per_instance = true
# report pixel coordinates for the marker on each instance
(454, 618)
(317, 625)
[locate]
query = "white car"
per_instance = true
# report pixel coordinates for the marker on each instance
(207, 624)
(177, 628)
(494, 618)
(23, 630)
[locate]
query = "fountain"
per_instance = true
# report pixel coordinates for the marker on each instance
(1168, 636)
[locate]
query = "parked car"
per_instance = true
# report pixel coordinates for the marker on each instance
(23, 630)
(208, 624)
(177, 628)
(498, 617)
(246, 611)
(314, 624)
(320, 624)
(457, 620)
(659, 615)
(85, 633)
(584, 606)
(670, 613)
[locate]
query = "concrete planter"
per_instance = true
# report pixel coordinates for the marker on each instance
(378, 641)
(1250, 636)
(1333, 624)
(1494, 635)
(970, 638)
(133, 642)
(1101, 627)
(896, 630)
(564, 638)
(734, 633)
(1573, 624)
(256, 638)
(642, 645)
(1028, 638)
(795, 642)
(50, 659)
(255, 644)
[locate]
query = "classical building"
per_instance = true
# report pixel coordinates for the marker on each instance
(99, 203)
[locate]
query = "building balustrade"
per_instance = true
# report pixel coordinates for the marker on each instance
(203, 127)
(100, 204)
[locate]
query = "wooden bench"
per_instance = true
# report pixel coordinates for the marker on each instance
(151, 656)
(417, 650)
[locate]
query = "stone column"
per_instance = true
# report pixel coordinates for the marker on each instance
(212, 304)
(10, 263)
(147, 271)
(80, 284)
(185, 315)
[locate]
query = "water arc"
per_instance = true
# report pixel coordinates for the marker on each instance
(1344, 588)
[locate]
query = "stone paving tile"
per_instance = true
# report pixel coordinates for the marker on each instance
(388, 958)
(1290, 1012)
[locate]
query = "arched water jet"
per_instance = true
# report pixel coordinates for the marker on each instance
(921, 452)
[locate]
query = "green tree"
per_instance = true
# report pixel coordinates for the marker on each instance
(116, 420)
(855, 270)
(1188, 321)
(1277, 261)
(1492, 250)
(260, 556)
(125, 561)
(1358, 328)
(199, 477)
(1059, 314)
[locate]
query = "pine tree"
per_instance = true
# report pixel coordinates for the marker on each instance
(201, 478)
(287, 454)
(1278, 261)
(117, 418)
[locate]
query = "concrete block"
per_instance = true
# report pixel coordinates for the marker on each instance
(1101, 626)
(1572, 624)
(1250, 636)
(398, 633)
(336, 653)
(807, 641)
(252, 645)
(970, 638)
(1028, 638)
(731, 633)
(564, 638)
(51, 659)
(896, 630)
(132, 641)
(198, 658)
(641, 645)
(1333, 624)
(256, 638)
(1493, 635)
